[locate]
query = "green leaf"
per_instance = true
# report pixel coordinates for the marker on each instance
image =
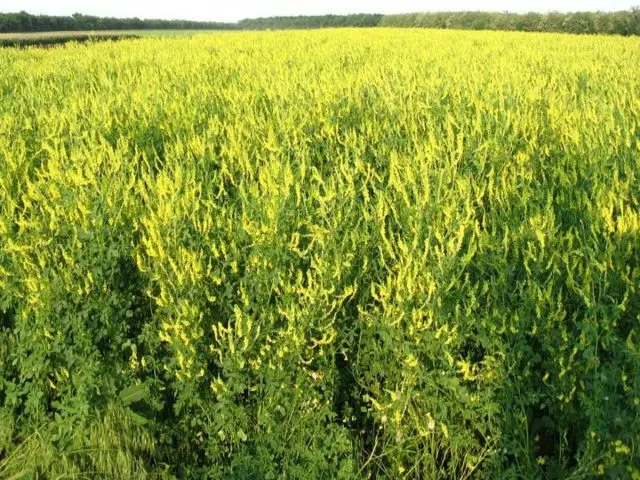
(133, 394)
(139, 419)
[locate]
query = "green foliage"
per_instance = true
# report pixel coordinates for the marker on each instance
(25, 22)
(311, 21)
(626, 22)
(109, 448)
(344, 254)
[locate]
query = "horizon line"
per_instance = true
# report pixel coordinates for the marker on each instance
(504, 12)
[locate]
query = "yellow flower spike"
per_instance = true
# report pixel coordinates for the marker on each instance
(411, 361)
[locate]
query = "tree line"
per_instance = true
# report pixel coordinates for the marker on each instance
(25, 22)
(317, 21)
(620, 23)
(617, 23)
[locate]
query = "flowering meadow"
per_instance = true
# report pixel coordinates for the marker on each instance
(333, 254)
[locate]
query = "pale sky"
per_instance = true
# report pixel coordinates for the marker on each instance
(233, 10)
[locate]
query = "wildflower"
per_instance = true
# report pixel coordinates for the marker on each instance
(431, 424)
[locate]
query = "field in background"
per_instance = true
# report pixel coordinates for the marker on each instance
(55, 38)
(324, 254)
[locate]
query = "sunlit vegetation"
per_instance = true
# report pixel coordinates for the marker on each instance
(331, 254)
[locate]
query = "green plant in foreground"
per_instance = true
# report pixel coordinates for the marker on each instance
(110, 448)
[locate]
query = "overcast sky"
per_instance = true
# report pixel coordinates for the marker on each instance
(232, 10)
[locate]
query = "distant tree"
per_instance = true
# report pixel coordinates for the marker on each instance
(305, 22)
(24, 22)
(620, 23)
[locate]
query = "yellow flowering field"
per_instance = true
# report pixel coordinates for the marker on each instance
(323, 254)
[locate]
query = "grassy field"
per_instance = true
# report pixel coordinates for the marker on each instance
(329, 254)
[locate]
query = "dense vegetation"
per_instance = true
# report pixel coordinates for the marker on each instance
(328, 254)
(619, 23)
(51, 39)
(320, 21)
(25, 22)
